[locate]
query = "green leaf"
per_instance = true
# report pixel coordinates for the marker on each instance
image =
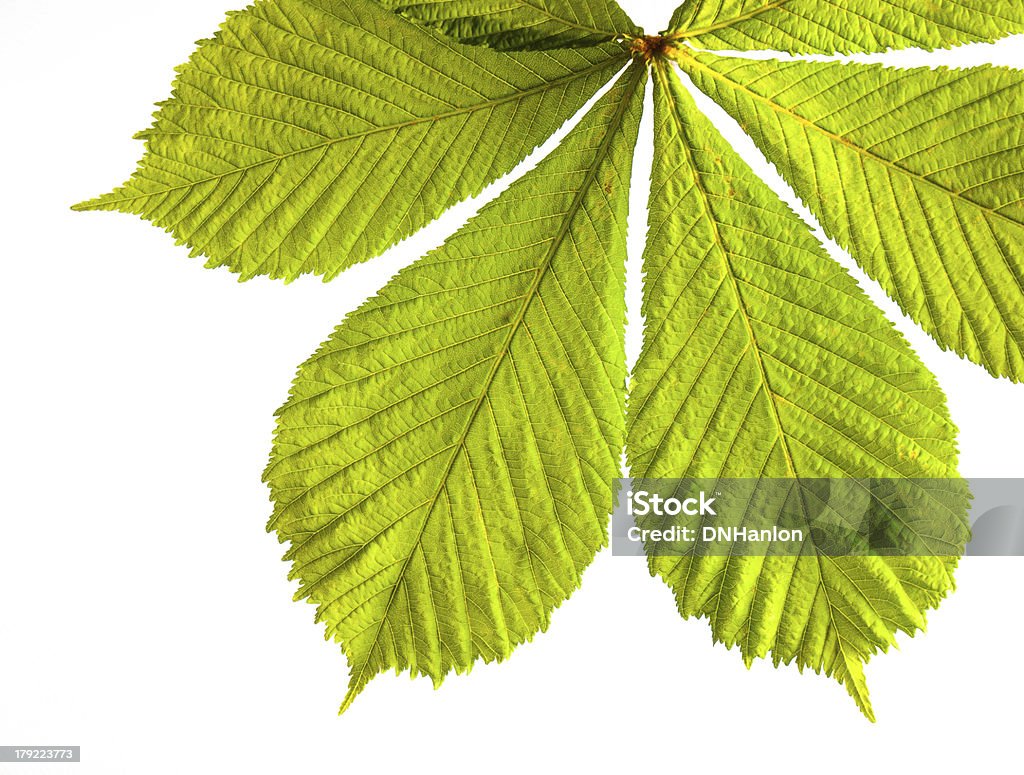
(826, 27)
(444, 465)
(309, 135)
(917, 173)
(522, 24)
(762, 358)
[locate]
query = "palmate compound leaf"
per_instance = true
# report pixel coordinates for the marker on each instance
(522, 24)
(917, 173)
(310, 135)
(827, 26)
(762, 357)
(443, 468)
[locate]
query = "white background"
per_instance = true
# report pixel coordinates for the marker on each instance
(144, 612)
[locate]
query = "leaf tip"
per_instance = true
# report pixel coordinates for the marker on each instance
(354, 688)
(88, 205)
(347, 702)
(857, 687)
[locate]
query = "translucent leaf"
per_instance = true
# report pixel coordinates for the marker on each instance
(762, 358)
(917, 173)
(825, 26)
(444, 466)
(522, 24)
(309, 135)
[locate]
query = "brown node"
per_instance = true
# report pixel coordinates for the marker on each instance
(650, 47)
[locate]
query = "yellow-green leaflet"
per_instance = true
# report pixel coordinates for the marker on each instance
(917, 173)
(310, 135)
(522, 24)
(827, 26)
(762, 357)
(444, 466)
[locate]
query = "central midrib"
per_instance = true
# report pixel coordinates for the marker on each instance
(506, 345)
(696, 32)
(770, 395)
(570, 23)
(276, 158)
(781, 109)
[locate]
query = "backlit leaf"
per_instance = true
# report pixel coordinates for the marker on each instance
(522, 24)
(762, 358)
(444, 466)
(917, 173)
(826, 26)
(310, 135)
